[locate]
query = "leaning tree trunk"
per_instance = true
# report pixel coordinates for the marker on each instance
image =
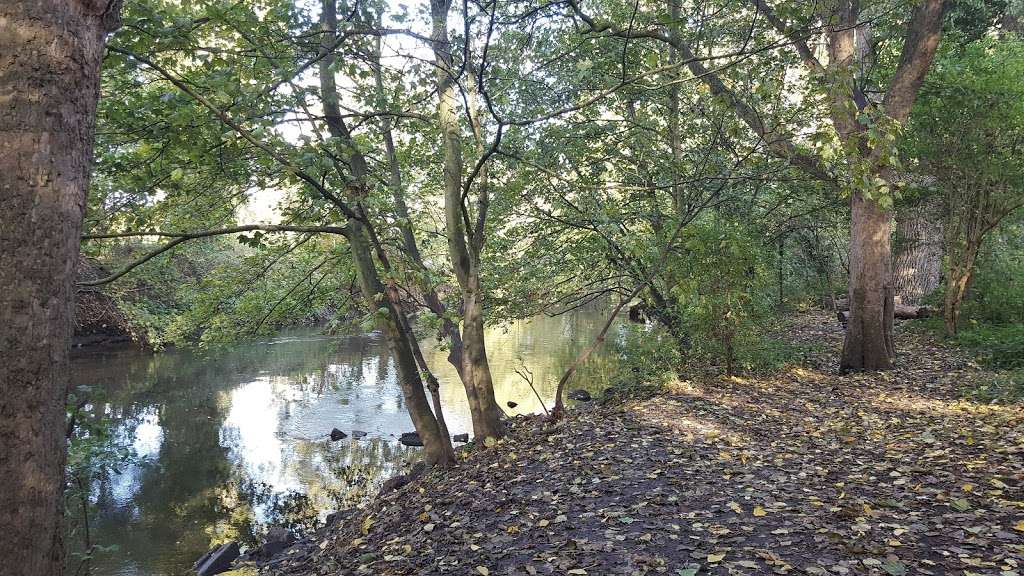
(437, 445)
(868, 344)
(49, 84)
(917, 266)
(393, 323)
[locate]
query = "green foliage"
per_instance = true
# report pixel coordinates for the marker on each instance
(996, 295)
(646, 360)
(723, 292)
(969, 120)
(998, 346)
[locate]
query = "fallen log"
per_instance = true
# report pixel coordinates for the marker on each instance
(899, 311)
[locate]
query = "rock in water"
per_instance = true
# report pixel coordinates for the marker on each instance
(337, 435)
(411, 439)
(461, 437)
(511, 404)
(357, 434)
(217, 560)
(579, 395)
(276, 541)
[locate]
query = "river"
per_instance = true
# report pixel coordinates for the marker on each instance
(229, 441)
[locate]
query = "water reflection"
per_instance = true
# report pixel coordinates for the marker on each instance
(237, 438)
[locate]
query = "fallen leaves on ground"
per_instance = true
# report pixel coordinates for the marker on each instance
(804, 472)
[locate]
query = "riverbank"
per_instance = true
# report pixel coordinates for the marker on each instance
(806, 471)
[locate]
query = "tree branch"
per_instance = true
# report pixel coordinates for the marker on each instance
(180, 237)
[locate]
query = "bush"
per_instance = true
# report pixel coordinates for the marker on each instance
(766, 355)
(724, 293)
(997, 290)
(646, 360)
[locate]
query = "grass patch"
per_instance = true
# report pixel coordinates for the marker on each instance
(1001, 388)
(997, 347)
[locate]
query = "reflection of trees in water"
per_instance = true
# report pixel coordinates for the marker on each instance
(193, 490)
(169, 508)
(546, 346)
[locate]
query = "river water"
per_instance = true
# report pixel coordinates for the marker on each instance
(228, 442)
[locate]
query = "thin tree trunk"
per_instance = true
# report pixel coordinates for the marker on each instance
(675, 142)
(430, 296)
(395, 326)
(49, 85)
(959, 271)
(917, 266)
(461, 249)
(437, 447)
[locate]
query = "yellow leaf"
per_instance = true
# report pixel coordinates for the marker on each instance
(735, 507)
(716, 557)
(483, 570)
(1019, 526)
(759, 511)
(367, 523)
(968, 487)
(542, 523)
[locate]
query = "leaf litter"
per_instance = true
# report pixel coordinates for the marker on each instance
(803, 472)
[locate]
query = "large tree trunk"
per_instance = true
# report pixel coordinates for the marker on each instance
(917, 269)
(869, 339)
(869, 344)
(463, 251)
(49, 84)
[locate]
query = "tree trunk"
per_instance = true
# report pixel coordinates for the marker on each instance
(362, 241)
(409, 244)
(49, 85)
(917, 267)
(463, 251)
(868, 344)
(959, 272)
(437, 447)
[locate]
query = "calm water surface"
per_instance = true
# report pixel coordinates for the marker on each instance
(229, 441)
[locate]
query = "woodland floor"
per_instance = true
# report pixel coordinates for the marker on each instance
(805, 472)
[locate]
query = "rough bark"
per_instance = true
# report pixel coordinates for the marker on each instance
(50, 54)
(868, 344)
(917, 268)
(463, 250)
(869, 340)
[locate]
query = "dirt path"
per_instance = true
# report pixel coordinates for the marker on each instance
(807, 472)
